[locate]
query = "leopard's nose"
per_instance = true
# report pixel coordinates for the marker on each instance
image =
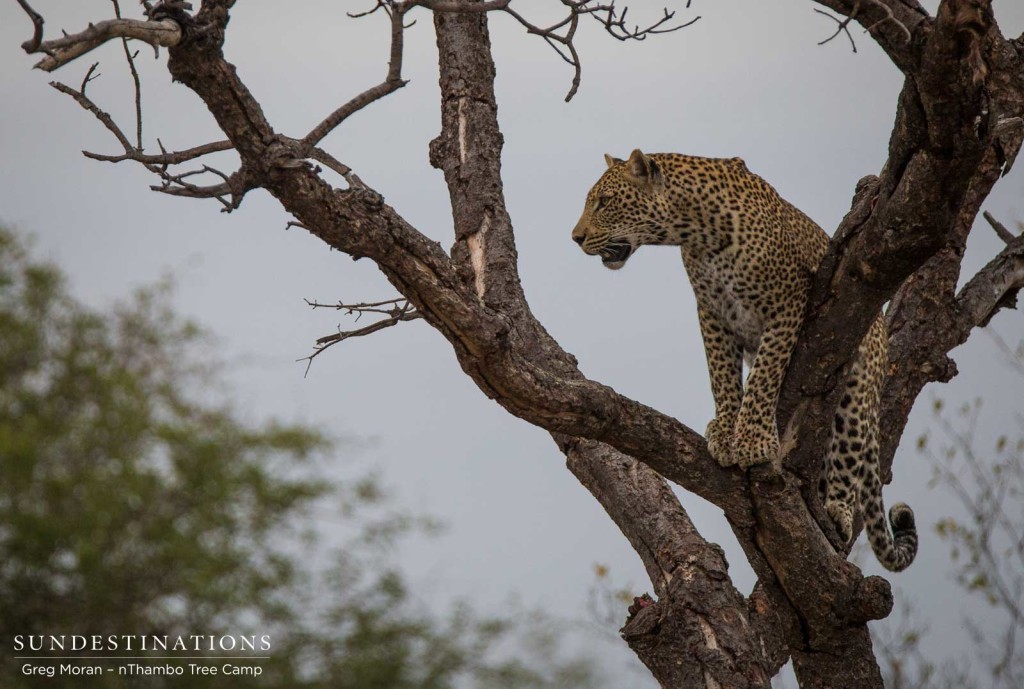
(579, 240)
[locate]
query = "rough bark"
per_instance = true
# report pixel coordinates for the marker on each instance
(698, 615)
(954, 134)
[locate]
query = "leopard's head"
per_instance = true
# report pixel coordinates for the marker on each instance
(625, 209)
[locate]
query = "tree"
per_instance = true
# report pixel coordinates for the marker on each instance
(958, 128)
(132, 505)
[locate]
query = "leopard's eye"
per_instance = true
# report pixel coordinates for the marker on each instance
(601, 201)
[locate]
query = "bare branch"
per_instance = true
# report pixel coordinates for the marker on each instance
(890, 22)
(165, 158)
(32, 44)
(401, 310)
(615, 23)
(1000, 228)
(608, 15)
(60, 51)
(392, 82)
(842, 26)
(994, 287)
(90, 75)
(363, 307)
(135, 78)
(86, 103)
(235, 185)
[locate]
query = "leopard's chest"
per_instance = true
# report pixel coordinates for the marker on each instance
(735, 297)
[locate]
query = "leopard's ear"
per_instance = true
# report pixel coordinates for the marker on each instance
(612, 161)
(639, 164)
(642, 169)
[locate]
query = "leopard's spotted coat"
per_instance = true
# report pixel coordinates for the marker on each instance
(750, 256)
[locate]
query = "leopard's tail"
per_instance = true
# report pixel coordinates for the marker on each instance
(895, 551)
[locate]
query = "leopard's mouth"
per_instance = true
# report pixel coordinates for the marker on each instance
(614, 255)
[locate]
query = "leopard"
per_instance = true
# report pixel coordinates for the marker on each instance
(751, 257)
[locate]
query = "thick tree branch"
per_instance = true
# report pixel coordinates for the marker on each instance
(459, 5)
(928, 322)
(941, 163)
(921, 314)
(357, 222)
(699, 616)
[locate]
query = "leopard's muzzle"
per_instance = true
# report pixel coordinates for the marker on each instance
(614, 254)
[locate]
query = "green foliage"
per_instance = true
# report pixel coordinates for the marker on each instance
(127, 505)
(133, 502)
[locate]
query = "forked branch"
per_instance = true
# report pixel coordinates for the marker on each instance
(561, 35)
(164, 158)
(392, 81)
(234, 186)
(397, 310)
(890, 22)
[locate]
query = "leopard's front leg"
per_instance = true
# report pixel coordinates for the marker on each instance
(756, 436)
(725, 365)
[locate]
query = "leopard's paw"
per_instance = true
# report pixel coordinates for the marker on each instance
(754, 444)
(842, 516)
(719, 437)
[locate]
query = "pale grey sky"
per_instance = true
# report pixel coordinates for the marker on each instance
(748, 79)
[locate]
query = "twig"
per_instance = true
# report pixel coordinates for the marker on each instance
(236, 185)
(101, 115)
(401, 310)
(164, 158)
(89, 76)
(842, 26)
(365, 307)
(608, 15)
(135, 78)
